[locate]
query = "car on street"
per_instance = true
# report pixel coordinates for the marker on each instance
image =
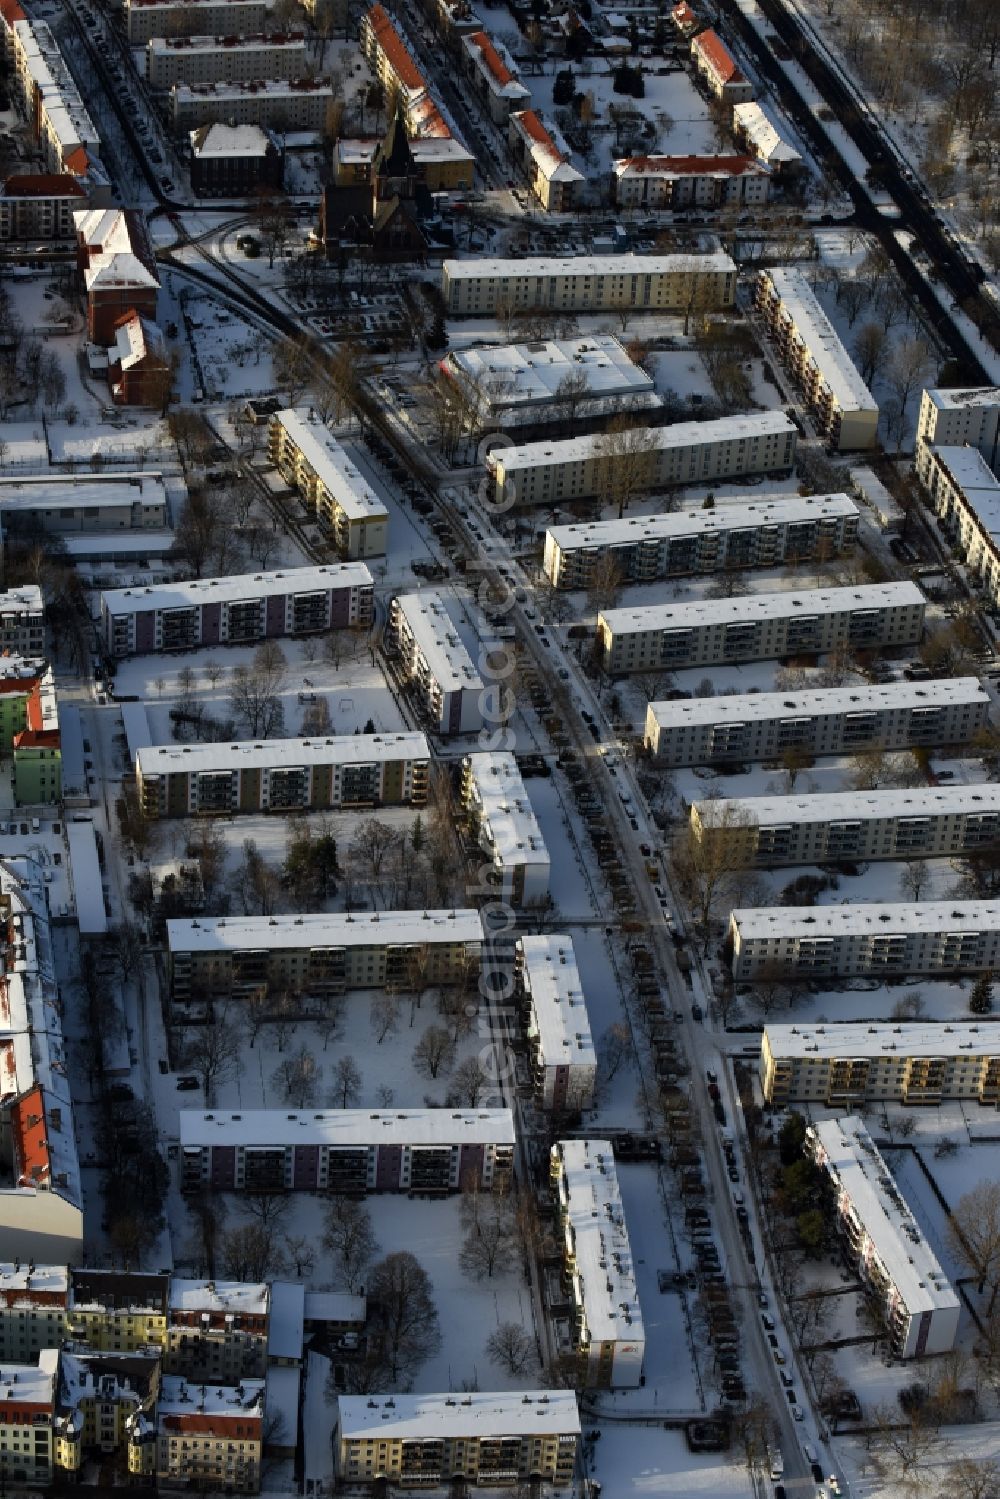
(798, 1414)
(187, 1084)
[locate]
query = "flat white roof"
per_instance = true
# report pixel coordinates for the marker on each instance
(189, 1397)
(330, 463)
(236, 1296)
(293, 88)
(680, 435)
(184, 595)
(73, 491)
(767, 510)
(85, 863)
(865, 1040)
(261, 1129)
(34, 1383)
(589, 1189)
(860, 806)
(415, 1418)
(26, 599)
(813, 601)
(258, 41)
(280, 754)
(963, 398)
(557, 1001)
(820, 702)
(437, 638)
(531, 267)
(895, 1233)
(285, 1335)
(30, 1279)
(504, 806)
(517, 374)
(821, 339)
(980, 487)
(334, 1306)
(849, 920)
(321, 929)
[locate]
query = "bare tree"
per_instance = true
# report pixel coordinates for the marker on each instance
(870, 350)
(370, 854)
(404, 1316)
(469, 1082)
(296, 1077)
(974, 1237)
(300, 1255)
(707, 859)
(349, 1237)
(346, 1088)
(212, 1052)
(624, 462)
(913, 879)
(512, 1349)
(247, 1253)
(384, 1017)
(572, 390)
(256, 691)
(488, 1248)
(972, 1478)
(907, 368)
(615, 1050)
(434, 1053)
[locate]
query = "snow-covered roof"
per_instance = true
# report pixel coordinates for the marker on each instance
(331, 465)
(766, 510)
(321, 929)
(858, 806)
(670, 167)
(279, 754)
(544, 266)
(603, 1274)
(85, 865)
(814, 601)
(260, 1129)
(226, 141)
(801, 306)
(754, 425)
(22, 1282)
(855, 1163)
(279, 41)
(415, 1418)
(717, 57)
(920, 1039)
(179, 1397)
(30, 1384)
(502, 802)
(558, 1006)
(494, 62)
(249, 1298)
(530, 373)
(25, 599)
(335, 1306)
(763, 130)
(59, 100)
(135, 338)
(438, 640)
(284, 1334)
(76, 491)
(196, 591)
(969, 473)
(545, 146)
(221, 91)
(754, 706)
(964, 398)
(859, 919)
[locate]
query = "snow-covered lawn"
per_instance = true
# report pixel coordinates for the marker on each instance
(646, 1462)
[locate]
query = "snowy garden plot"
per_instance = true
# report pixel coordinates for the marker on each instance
(232, 355)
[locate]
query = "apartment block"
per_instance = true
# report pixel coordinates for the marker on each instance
(210, 1437)
(670, 637)
(423, 641)
(770, 530)
(716, 67)
(503, 823)
(580, 468)
(22, 621)
(750, 727)
(319, 953)
(28, 1404)
(106, 1410)
(45, 92)
(968, 417)
(602, 1329)
(275, 103)
(111, 1311)
(218, 1330)
(391, 60)
(283, 775)
(225, 59)
(850, 1066)
(355, 1151)
(555, 1021)
(590, 283)
(759, 130)
(91, 502)
(544, 156)
(670, 183)
(148, 18)
(39, 207)
(884, 1242)
(965, 494)
(810, 349)
(493, 73)
(485, 1439)
(235, 610)
(928, 823)
(33, 1302)
(313, 462)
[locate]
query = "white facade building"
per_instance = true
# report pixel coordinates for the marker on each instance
(22, 621)
(589, 283)
(965, 494)
(91, 502)
(556, 1023)
(504, 824)
(768, 530)
(311, 459)
(149, 18)
(676, 182)
(278, 103)
(828, 721)
(225, 59)
(885, 1242)
(764, 625)
(954, 418)
(423, 639)
(757, 127)
(842, 1066)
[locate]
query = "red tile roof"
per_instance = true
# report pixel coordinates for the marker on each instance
(491, 57)
(717, 56)
(392, 45)
(533, 127)
(54, 185)
(683, 166)
(11, 12)
(32, 1161)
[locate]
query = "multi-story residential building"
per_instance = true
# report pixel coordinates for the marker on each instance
(556, 1023)
(28, 706)
(277, 103)
(828, 721)
(715, 65)
(346, 1150)
(423, 641)
(390, 59)
(544, 156)
(493, 73)
(771, 529)
(848, 1066)
(580, 468)
(502, 822)
(218, 1330)
(44, 91)
(225, 59)
(93, 502)
(486, 1439)
(235, 610)
(28, 1396)
(22, 621)
(884, 1242)
(38, 207)
(821, 828)
(959, 418)
(33, 1302)
(936, 936)
(590, 283)
(118, 266)
(321, 953)
(555, 380)
(148, 18)
(675, 182)
(758, 129)
(603, 1333)
(139, 368)
(210, 1437)
(666, 637)
(283, 775)
(965, 494)
(235, 161)
(313, 462)
(810, 349)
(111, 1311)
(106, 1410)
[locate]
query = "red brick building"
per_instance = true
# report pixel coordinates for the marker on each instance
(116, 261)
(139, 369)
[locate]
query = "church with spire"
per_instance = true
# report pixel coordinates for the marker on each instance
(381, 202)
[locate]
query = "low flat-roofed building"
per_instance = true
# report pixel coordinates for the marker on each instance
(225, 59)
(678, 182)
(240, 608)
(825, 827)
(493, 73)
(210, 1436)
(757, 128)
(354, 1151)
(884, 1241)
(83, 502)
(763, 532)
(503, 823)
(956, 418)
(282, 775)
(278, 103)
(149, 18)
(311, 459)
(605, 1335)
(845, 1066)
(556, 1023)
(422, 640)
(760, 626)
(235, 161)
(481, 1438)
(590, 283)
(965, 494)
(810, 348)
(825, 721)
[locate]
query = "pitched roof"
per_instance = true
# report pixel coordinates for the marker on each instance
(395, 49)
(42, 185)
(717, 56)
(135, 338)
(687, 166)
(393, 155)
